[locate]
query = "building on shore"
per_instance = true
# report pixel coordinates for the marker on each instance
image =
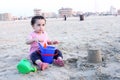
(37, 12)
(49, 14)
(65, 11)
(5, 17)
(113, 10)
(118, 11)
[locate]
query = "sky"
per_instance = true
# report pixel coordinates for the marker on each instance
(26, 7)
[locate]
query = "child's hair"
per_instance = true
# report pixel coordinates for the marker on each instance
(33, 20)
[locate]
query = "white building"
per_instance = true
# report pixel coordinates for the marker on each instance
(65, 11)
(37, 12)
(5, 17)
(113, 10)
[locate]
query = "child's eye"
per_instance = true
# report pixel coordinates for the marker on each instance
(43, 24)
(40, 24)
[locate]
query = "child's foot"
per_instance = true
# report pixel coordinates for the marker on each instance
(43, 66)
(59, 62)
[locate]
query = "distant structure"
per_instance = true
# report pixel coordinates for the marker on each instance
(118, 12)
(113, 10)
(49, 14)
(5, 17)
(14, 18)
(65, 11)
(37, 12)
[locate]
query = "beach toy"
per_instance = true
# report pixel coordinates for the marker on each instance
(47, 53)
(25, 67)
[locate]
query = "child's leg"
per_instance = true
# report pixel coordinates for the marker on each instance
(58, 58)
(58, 54)
(36, 59)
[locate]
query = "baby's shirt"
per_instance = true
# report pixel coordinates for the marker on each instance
(34, 46)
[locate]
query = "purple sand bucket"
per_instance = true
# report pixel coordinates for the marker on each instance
(47, 53)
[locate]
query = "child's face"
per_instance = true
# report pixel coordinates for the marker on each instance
(39, 25)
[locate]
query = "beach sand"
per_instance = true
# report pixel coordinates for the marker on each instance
(75, 38)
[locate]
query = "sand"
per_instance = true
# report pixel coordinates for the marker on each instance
(75, 37)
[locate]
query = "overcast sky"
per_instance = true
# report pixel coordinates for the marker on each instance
(25, 7)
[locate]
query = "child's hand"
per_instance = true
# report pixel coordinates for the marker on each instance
(49, 42)
(55, 42)
(36, 40)
(52, 42)
(41, 40)
(31, 41)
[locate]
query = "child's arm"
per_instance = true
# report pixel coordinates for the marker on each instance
(31, 41)
(52, 42)
(49, 42)
(55, 42)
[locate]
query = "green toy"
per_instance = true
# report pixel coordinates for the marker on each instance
(25, 67)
